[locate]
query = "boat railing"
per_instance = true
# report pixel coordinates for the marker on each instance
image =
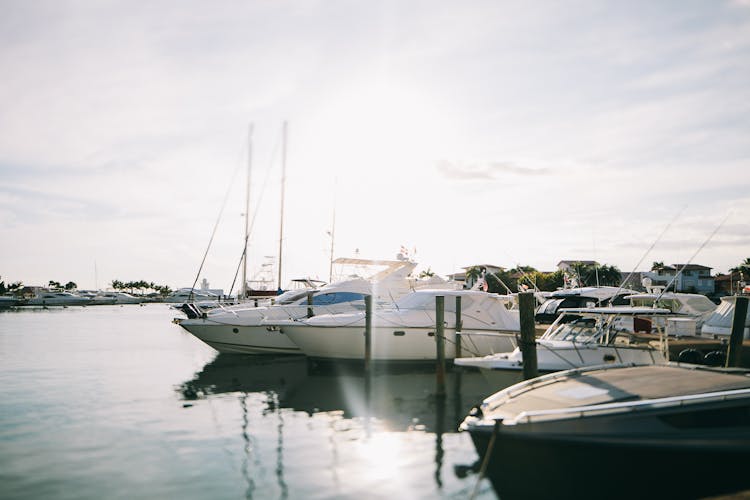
(627, 406)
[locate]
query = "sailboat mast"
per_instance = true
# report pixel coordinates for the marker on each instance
(333, 234)
(283, 181)
(243, 287)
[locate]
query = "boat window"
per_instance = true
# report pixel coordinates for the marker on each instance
(578, 330)
(324, 299)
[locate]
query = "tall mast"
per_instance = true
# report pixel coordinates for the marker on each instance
(333, 233)
(283, 181)
(243, 287)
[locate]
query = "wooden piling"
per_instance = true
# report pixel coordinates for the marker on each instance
(734, 351)
(526, 303)
(459, 322)
(368, 332)
(440, 343)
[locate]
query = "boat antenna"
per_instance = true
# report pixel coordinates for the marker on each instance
(710, 236)
(332, 233)
(283, 181)
(622, 285)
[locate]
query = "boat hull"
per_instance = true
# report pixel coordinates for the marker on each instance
(241, 339)
(391, 343)
(599, 466)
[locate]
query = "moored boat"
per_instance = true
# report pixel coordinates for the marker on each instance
(406, 330)
(598, 432)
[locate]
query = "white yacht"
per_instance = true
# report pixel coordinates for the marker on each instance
(586, 337)
(183, 295)
(719, 323)
(57, 298)
(245, 328)
(115, 298)
(406, 330)
(239, 328)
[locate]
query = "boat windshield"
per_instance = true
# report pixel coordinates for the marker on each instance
(325, 299)
(673, 305)
(578, 330)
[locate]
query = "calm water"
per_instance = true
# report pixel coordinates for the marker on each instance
(118, 402)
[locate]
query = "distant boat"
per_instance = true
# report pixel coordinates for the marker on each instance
(8, 301)
(625, 432)
(183, 295)
(59, 298)
(720, 322)
(589, 296)
(115, 298)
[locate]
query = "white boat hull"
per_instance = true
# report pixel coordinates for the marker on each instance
(392, 343)
(239, 339)
(558, 358)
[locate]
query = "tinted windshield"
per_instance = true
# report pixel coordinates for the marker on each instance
(324, 299)
(578, 330)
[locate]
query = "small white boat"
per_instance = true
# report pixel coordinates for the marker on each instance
(59, 298)
(592, 433)
(586, 337)
(115, 298)
(719, 323)
(406, 331)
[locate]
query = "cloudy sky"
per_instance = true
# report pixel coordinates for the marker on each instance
(494, 132)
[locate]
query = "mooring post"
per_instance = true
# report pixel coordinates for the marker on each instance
(310, 305)
(734, 351)
(368, 332)
(526, 304)
(458, 326)
(440, 343)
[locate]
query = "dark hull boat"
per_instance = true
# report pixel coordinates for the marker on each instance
(662, 431)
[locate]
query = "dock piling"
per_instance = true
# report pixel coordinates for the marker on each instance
(440, 343)
(734, 351)
(368, 332)
(526, 302)
(458, 327)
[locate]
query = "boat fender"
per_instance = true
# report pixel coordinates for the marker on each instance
(715, 358)
(692, 356)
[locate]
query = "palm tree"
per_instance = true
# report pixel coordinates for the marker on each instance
(657, 265)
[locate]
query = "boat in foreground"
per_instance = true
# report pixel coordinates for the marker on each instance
(624, 431)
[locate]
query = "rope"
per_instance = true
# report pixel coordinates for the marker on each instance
(486, 459)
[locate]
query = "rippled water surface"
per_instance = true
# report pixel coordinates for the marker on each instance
(118, 402)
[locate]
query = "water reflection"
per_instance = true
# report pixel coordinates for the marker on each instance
(401, 398)
(394, 399)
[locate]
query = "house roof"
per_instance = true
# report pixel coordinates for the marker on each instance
(584, 262)
(692, 267)
(486, 266)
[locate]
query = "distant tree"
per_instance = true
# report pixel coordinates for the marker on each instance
(472, 274)
(609, 276)
(743, 268)
(70, 285)
(657, 265)
(15, 287)
(427, 273)
(54, 284)
(2, 287)
(549, 282)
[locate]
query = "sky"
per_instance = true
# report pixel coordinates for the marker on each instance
(483, 132)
